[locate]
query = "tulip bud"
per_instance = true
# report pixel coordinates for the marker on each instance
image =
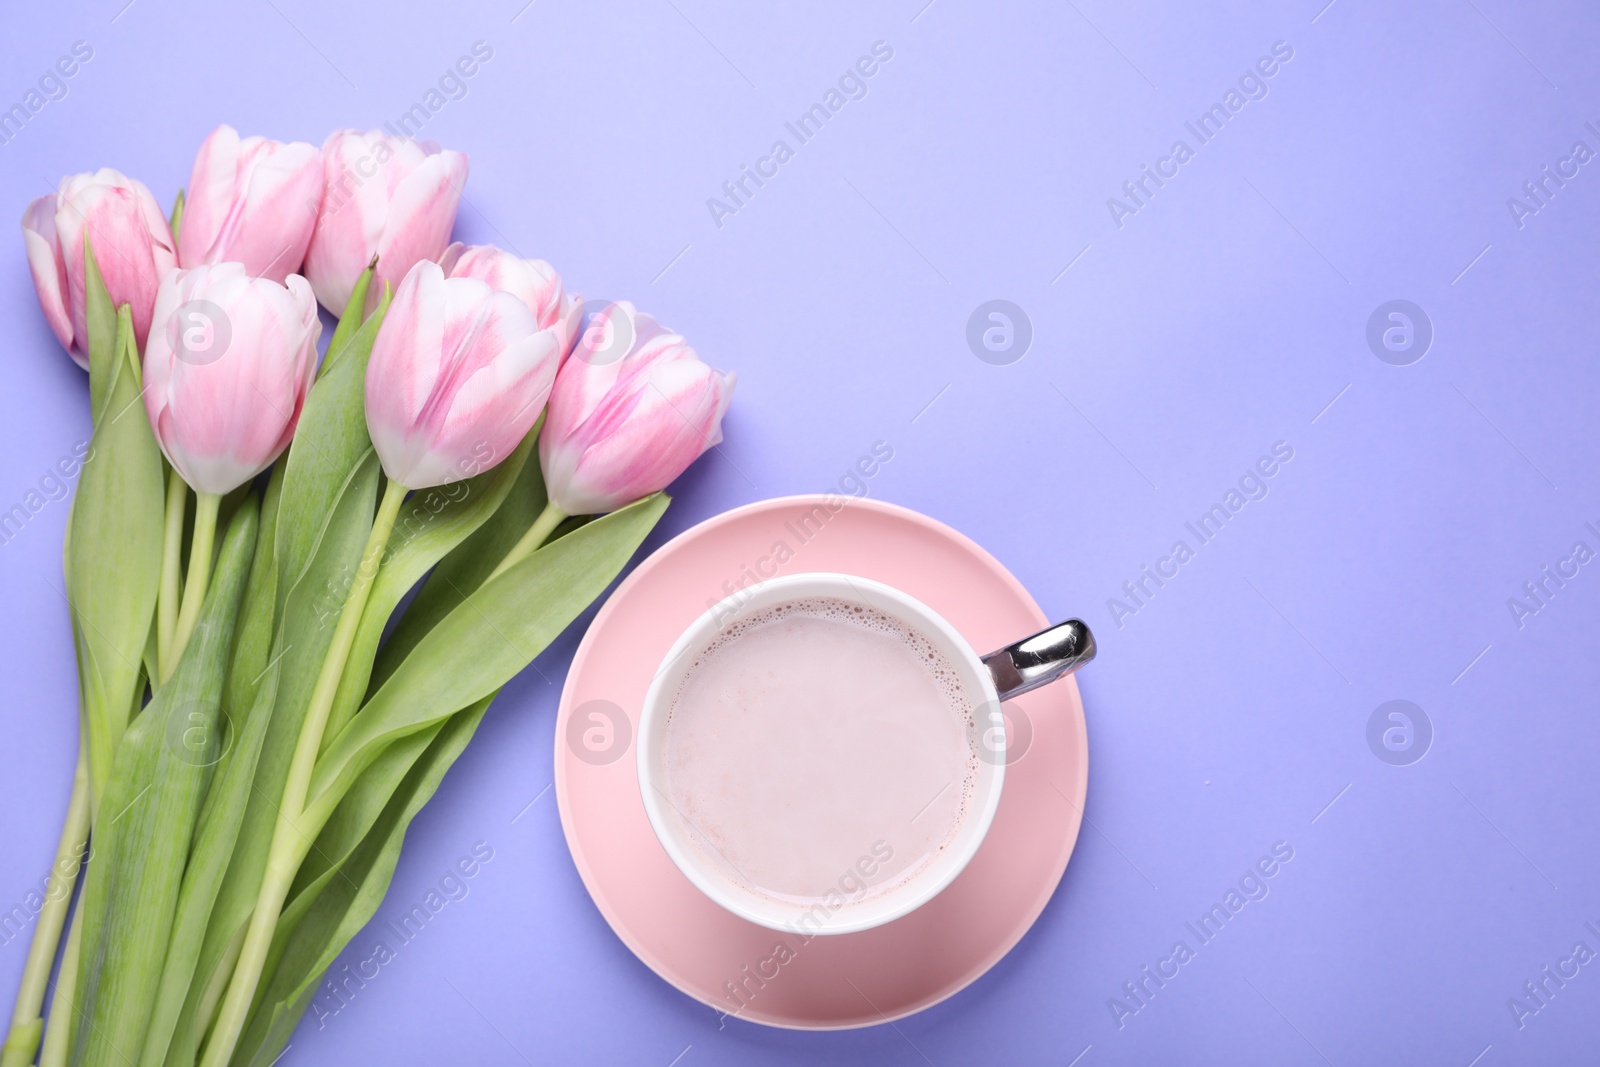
(382, 196)
(226, 372)
(132, 248)
(251, 201)
(533, 281)
(458, 375)
(631, 409)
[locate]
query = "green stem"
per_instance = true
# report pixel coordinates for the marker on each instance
(63, 1006)
(171, 570)
(291, 840)
(194, 588)
(218, 983)
(537, 534)
(26, 1021)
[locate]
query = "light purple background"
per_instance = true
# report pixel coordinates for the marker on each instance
(1226, 315)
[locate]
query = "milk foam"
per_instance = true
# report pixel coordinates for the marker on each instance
(820, 751)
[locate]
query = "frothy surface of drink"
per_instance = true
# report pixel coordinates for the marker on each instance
(820, 751)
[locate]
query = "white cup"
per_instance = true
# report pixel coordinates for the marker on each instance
(990, 679)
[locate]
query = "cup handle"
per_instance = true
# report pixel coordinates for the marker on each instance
(1041, 659)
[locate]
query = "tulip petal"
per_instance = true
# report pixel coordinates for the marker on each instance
(212, 184)
(254, 202)
(458, 375)
(224, 418)
(49, 272)
(614, 435)
(421, 214)
(533, 281)
(351, 215)
(382, 196)
(404, 366)
(131, 243)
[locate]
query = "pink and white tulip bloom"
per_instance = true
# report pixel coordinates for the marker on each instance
(251, 201)
(533, 281)
(131, 242)
(227, 369)
(458, 375)
(382, 196)
(623, 425)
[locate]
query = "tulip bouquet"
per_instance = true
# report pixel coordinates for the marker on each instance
(259, 718)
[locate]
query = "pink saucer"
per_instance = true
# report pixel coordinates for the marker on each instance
(829, 982)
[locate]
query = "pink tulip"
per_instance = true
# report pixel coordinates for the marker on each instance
(533, 281)
(226, 372)
(382, 196)
(131, 242)
(631, 409)
(458, 375)
(251, 201)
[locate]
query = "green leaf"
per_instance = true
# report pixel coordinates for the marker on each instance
(340, 839)
(114, 558)
(319, 502)
(483, 643)
(329, 440)
(353, 818)
(350, 321)
(152, 802)
(150, 661)
(105, 349)
(377, 786)
(350, 898)
(175, 220)
(430, 524)
(252, 644)
(173, 1014)
(464, 569)
(247, 703)
(344, 879)
(305, 631)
